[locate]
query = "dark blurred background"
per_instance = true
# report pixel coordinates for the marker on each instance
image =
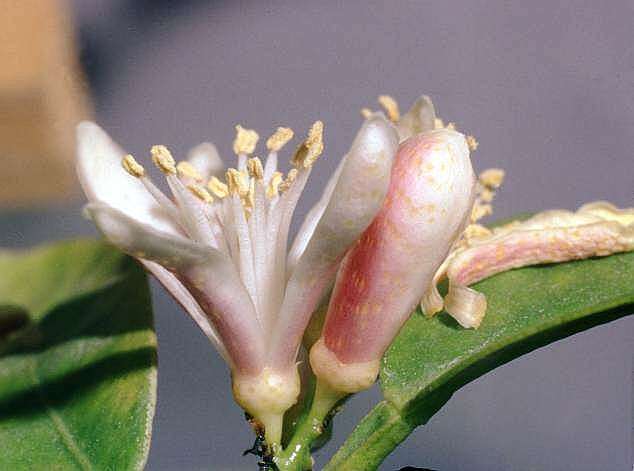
(546, 87)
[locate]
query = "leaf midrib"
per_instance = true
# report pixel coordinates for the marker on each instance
(66, 436)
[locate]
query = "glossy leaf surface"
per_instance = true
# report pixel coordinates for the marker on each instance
(78, 363)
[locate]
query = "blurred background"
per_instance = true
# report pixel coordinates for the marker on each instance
(546, 87)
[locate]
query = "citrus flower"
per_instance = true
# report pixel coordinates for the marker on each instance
(219, 243)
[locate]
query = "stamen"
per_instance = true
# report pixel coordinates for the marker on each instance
(274, 184)
(132, 166)
(290, 178)
(200, 193)
(438, 123)
(254, 167)
(245, 141)
(279, 139)
(237, 182)
(366, 113)
(476, 230)
(249, 199)
(492, 178)
(391, 107)
(218, 188)
(472, 143)
(163, 159)
(486, 195)
(451, 126)
(186, 169)
(480, 210)
(308, 152)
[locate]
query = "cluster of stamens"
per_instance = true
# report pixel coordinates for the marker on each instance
(239, 181)
(488, 183)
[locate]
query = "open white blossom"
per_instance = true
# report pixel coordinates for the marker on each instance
(219, 245)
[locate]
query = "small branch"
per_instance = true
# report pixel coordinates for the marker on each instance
(296, 456)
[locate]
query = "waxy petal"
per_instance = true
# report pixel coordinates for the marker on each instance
(206, 273)
(384, 275)
(307, 229)
(356, 197)
(596, 229)
(206, 159)
(104, 180)
(144, 241)
(420, 118)
(187, 301)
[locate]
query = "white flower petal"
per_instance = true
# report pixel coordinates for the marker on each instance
(420, 118)
(355, 200)
(206, 159)
(312, 218)
(206, 273)
(466, 305)
(187, 301)
(104, 179)
(144, 241)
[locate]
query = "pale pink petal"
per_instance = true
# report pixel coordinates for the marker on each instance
(187, 301)
(385, 275)
(355, 200)
(209, 275)
(596, 229)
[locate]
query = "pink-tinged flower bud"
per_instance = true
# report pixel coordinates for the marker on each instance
(385, 274)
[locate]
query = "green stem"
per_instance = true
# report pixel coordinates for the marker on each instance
(372, 440)
(296, 455)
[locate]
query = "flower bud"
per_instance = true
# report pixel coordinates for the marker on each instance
(385, 274)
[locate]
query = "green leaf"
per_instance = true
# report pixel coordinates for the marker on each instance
(432, 358)
(78, 377)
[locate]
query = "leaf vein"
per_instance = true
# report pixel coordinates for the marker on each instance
(65, 434)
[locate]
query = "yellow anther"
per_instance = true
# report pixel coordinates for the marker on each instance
(200, 193)
(132, 166)
(366, 113)
(245, 141)
(237, 182)
(279, 139)
(391, 107)
(480, 210)
(438, 123)
(472, 143)
(315, 134)
(163, 159)
(451, 126)
(186, 169)
(290, 178)
(217, 187)
(274, 184)
(492, 178)
(308, 152)
(476, 230)
(486, 195)
(254, 167)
